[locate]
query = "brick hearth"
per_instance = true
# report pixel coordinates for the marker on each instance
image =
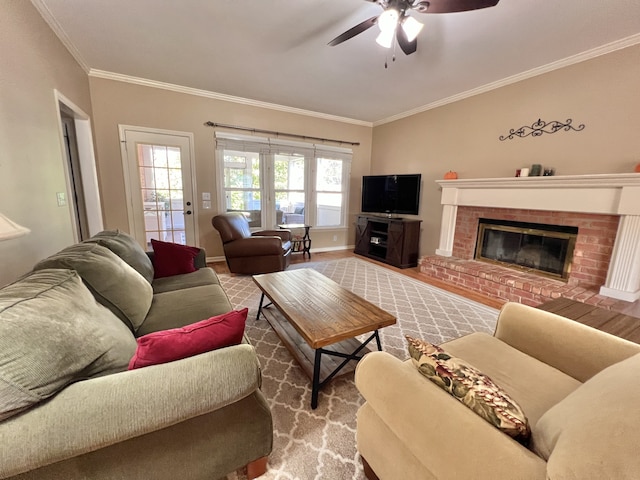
(605, 268)
(592, 254)
(507, 284)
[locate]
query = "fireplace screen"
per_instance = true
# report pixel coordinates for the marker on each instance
(544, 249)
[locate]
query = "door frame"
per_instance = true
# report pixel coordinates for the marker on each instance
(87, 160)
(122, 129)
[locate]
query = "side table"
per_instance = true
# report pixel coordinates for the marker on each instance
(299, 244)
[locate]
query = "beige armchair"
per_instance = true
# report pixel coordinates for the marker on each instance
(578, 387)
(252, 253)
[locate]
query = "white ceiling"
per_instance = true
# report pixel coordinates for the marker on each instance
(275, 51)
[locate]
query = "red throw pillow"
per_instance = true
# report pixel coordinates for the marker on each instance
(172, 258)
(200, 337)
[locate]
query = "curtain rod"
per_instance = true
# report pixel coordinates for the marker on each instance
(271, 132)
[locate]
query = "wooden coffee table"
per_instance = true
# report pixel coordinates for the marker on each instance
(314, 312)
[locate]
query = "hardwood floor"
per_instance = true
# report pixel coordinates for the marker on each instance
(623, 326)
(221, 267)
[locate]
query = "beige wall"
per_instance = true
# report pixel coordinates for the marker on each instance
(603, 93)
(116, 102)
(32, 64)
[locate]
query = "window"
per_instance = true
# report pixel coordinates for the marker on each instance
(275, 182)
(329, 192)
(289, 187)
(242, 184)
(160, 170)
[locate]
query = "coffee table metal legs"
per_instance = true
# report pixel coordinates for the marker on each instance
(317, 364)
(266, 306)
(317, 384)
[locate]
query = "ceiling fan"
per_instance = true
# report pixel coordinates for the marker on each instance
(396, 14)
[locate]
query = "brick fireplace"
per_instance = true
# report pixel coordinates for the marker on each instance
(606, 259)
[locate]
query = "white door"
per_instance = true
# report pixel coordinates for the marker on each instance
(158, 166)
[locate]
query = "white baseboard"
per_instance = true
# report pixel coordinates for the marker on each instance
(620, 294)
(332, 249)
(313, 250)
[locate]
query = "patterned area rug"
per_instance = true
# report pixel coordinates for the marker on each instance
(320, 444)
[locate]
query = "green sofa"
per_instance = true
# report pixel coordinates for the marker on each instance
(70, 409)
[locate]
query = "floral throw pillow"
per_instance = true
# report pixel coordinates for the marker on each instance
(470, 386)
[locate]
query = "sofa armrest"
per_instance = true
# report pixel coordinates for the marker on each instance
(200, 261)
(448, 438)
(573, 348)
(99, 412)
(284, 234)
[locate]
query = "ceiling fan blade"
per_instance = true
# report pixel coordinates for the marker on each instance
(353, 31)
(407, 47)
(450, 6)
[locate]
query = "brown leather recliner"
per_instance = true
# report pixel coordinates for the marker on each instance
(252, 253)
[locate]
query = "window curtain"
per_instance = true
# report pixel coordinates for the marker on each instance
(244, 143)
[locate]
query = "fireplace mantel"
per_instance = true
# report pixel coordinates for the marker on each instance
(617, 194)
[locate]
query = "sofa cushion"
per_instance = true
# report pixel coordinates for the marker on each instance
(202, 276)
(178, 308)
(113, 282)
(518, 374)
(172, 258)
(593, 432)
(53, 333)
(200, 337)
(471, 387)
(126, 247)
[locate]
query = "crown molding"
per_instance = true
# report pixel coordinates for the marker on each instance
(48, 17)
(565, 62)
(581, 57)
(220, 96)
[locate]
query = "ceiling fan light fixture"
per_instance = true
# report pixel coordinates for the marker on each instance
(385, 38)
(388, 20)
(411, 27)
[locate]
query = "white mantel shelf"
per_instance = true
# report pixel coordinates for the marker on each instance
(555, 181)
(617, 194)
(613, 194)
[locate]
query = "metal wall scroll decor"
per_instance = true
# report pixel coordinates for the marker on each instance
(538, 128)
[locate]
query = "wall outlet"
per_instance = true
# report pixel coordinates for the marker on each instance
(61, 198)
(335, 238)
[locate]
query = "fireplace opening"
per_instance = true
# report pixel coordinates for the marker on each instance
(533, 247)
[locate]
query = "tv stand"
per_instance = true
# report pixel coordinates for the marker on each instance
(395, 241)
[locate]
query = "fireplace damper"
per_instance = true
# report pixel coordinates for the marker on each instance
(533, 247)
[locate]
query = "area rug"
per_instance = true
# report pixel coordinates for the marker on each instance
(320, 444)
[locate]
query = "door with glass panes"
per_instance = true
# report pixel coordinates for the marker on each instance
(158, 174)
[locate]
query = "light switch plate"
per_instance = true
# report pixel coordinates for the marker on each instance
(206, 204)
(61, 197)
(206, 196)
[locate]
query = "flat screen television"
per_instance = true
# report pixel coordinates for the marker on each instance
(391, 194)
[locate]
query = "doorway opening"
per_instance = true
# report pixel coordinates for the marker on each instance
(83, 194)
